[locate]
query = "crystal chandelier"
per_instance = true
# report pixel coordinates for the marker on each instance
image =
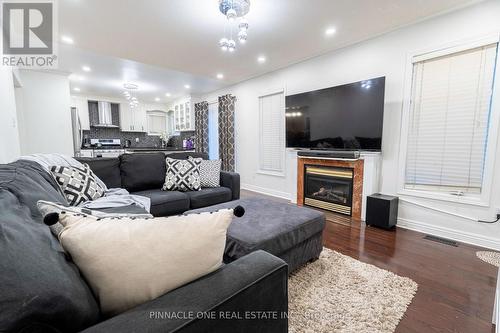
(130, 94)
(234, 11)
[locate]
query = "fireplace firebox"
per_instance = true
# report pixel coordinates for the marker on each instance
(329, 188)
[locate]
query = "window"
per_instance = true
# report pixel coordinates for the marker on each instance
(157, 122)
(272, 133)
(449, 120)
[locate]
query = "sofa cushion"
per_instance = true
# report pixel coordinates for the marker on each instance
(107, 169)
(209, 196)
(141, 259)
(165, 203)
(142, 171)
(40, 290)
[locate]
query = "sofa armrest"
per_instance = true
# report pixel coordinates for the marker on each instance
(232, 181)
(247, 295)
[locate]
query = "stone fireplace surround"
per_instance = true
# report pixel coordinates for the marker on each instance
(357, 167)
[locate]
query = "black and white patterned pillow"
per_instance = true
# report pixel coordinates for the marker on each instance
(182, 175)
(209, 172)
(78, 184)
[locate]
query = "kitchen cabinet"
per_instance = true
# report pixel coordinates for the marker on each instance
(132, 119)
(81, 104)
(183, 115)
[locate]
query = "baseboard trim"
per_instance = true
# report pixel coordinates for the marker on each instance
(266, 191)
(426, 228)
(460, 236)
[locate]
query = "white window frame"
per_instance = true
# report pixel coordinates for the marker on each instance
(261, 171)
(482, 199)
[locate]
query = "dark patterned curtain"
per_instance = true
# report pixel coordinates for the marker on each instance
(226, 131)
(201, 127)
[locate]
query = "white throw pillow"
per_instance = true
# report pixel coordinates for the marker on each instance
(209, 172)
(129, 261)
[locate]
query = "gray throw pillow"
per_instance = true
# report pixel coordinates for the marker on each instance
(209, 172)
(182, 175)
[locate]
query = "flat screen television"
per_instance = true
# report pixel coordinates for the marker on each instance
(347, 117)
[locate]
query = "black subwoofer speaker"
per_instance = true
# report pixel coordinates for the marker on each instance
(382, 210)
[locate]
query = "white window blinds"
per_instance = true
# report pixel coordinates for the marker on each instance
(157, 123)
(272, 133)
(449, 120)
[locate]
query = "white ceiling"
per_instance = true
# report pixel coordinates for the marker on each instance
(177, 39)
(108, 74)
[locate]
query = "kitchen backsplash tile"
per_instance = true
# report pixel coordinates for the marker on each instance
(145, 140)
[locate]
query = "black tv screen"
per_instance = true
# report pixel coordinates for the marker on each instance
(347, 117)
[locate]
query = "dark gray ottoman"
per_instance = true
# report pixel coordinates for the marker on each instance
(287, 231)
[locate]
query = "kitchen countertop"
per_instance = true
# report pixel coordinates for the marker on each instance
(156, 149)
(139, 149)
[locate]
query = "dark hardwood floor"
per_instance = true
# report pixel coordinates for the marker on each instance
(456, 290)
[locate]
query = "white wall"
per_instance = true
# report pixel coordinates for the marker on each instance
(387, 56)
(9, 138)
(44, 113)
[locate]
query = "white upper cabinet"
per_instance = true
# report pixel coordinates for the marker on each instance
(140, 119)
(132, 120)
(126, 121)
(183, 115)
(81, 104)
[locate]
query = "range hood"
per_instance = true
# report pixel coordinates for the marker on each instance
(105, 118)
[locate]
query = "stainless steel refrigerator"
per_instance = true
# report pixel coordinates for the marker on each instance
(77, 132)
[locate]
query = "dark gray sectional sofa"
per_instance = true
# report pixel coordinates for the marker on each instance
(144, 174)
(41, 290)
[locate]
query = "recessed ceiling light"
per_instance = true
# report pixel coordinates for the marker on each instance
(167, 94)
(220, 76)
(157, 99)
(330, 31)
(86, 68)
(67, 40)
(261, 59)
(76, 89)
(187, 86)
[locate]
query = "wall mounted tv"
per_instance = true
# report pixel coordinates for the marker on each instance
(347, 117)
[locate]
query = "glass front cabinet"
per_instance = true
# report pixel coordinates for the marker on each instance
(183, 115)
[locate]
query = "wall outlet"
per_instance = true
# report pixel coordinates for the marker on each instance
(137, 140)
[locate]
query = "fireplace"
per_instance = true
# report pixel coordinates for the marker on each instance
(329, 188)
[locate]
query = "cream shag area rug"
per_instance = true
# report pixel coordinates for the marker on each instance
(337, 293)
(489, 257)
